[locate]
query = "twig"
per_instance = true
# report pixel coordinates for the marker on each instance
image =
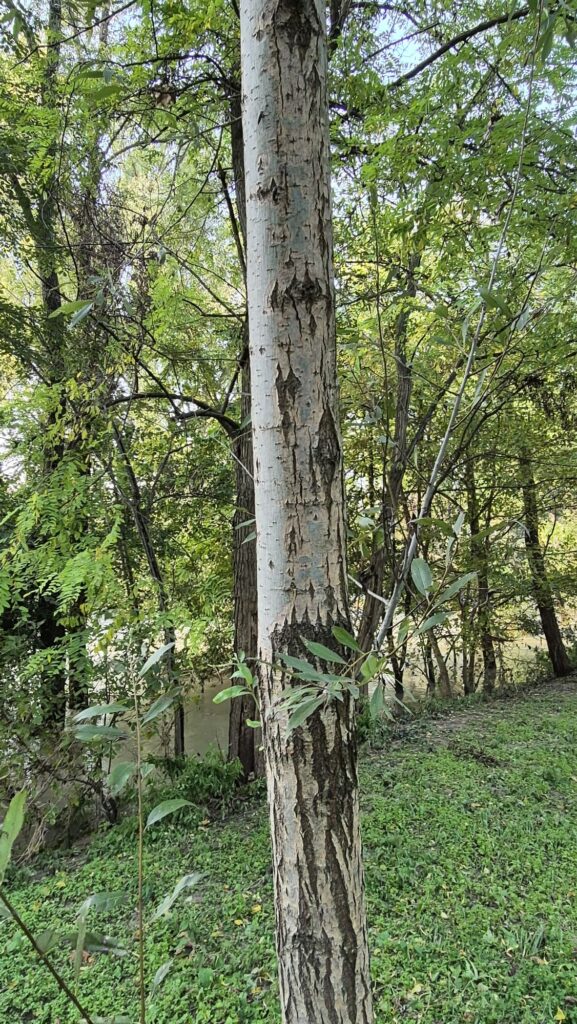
(140, 860)
(57, 977)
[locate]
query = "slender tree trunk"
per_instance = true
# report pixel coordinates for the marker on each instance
(135, 505)
(468, 647)
(444, 684)
(244, 742)
(541, 586)
(383, 567)
(481, 565)
(429, 666)
(299, 505)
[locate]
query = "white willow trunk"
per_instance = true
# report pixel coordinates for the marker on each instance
(299, 507)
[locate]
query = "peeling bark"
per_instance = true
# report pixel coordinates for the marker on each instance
(299, 508)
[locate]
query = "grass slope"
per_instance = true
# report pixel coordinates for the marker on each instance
(470, 833)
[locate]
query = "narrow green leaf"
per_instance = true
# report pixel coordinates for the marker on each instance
(120, 776)
(69, 307)
(82, 927)
(345, 638)
(186, 882)
(165, 808)
(244, 672)
(433, 620)
(160, 976)
(421, 575)
(98, 732)
(155, 658)
(160, 706)
(493, 300)
(458, 524)
(304, 711)
(403, 630)
(229, 693)
(97, 710)
(49, 939)
(10, 830)
(454, 588)
(371, 667)
(377, 701)
(324, 653)
(101, 902)
(115, 1019)
(81, 314)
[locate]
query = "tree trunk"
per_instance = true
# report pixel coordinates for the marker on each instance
(541, 586)
(444, 680)
(244, 742)
(481, 566)
(467, 644)
(142, 528)
(429, 667)
(383, 567)
(299, 506)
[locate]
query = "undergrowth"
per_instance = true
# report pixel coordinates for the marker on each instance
(470, 836)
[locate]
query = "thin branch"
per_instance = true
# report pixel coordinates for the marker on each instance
(57, 977)
(462, 37)
(203, 410)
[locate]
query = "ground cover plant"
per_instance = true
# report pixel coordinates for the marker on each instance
(470, 830)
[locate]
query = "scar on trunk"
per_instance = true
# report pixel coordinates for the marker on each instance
(328, 448)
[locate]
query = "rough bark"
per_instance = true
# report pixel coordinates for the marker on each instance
(541, 586)
(299, 508)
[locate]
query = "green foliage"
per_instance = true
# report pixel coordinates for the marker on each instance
(10, 829)
(203, 781)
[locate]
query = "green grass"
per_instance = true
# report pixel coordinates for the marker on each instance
(470, 833)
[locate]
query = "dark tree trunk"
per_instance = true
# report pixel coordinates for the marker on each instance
(541, 586)
(481, 566)
(50, 635)
(142, 528)
(444, 684)
(244, 742)
(429, 667)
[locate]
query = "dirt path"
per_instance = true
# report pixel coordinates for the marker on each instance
(438, 728)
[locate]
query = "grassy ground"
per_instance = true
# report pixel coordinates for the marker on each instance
(470, 833)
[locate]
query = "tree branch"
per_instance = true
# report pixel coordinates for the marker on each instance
(462, 37)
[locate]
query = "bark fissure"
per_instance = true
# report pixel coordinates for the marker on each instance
(299, 510)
